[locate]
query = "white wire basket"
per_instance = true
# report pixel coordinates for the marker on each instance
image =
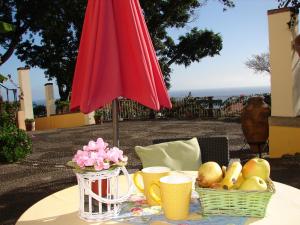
(99, 194)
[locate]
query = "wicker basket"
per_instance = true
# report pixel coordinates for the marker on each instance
(235, 202)
(102, 202)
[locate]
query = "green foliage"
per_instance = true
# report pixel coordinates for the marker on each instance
(191, 107)
(288, 3)
(62, 106)
(53, 31)
(267, 98)
(14, 143)
(191, 47)
(6, 27)
(8, 113)
(39, 110)
(103, 114)
(29, 120)
(99, 113)
(54, 27)
(2, 78)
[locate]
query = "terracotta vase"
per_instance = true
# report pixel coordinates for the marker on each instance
(29, 126)
(255, 126)
(98, 119)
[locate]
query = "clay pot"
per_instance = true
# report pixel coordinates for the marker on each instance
(30, 126)
(255, 126)
(98, 119)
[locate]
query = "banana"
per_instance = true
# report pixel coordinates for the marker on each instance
(224, 170)
(231, 176)
(239, 181)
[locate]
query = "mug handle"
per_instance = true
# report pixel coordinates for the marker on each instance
(136, 181)
(153, 195)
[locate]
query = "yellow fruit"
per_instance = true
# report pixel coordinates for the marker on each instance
(257, 167)
(209, 173)
(224, 170)
(232, 175)
(216, 185)
(239, 181)
(254, 183)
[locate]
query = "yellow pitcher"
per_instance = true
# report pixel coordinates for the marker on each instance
(150, 175)
(175, 196)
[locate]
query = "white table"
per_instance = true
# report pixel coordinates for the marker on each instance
(61, 208)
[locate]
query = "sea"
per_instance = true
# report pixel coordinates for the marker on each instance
(217, 93)
(221, 93)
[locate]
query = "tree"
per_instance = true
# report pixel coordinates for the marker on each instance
(259, 63)
(52, 33)
(4, 29)
(2, 79)
(288, 3)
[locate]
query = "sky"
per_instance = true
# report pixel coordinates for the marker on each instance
(244, 31)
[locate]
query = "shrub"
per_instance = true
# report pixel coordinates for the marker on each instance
(8, 113)
(14, 143)
(39, 110)
(62, 106)
(99, 113)
(29, 120)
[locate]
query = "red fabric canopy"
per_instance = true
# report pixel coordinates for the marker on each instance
(116, 58)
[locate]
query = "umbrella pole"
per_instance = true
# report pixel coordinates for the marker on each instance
(115, 121)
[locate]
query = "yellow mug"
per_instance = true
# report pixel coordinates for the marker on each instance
(150, 175)
(175, 196)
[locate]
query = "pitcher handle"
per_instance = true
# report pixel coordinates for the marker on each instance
(112, 201)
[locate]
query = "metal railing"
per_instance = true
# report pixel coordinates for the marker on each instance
(183, 108)
(8, 91)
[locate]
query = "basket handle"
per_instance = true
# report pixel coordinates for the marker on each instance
(111, 201)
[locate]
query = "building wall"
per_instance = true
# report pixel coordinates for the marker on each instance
(61, 121)
(284, 124)
(284, 140)
(283, 62)
(284, 136)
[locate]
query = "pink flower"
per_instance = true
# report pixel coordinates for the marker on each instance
(136, 211)
(102, 153)
(101, 144)
(80, 163)
(114, 154)
(99, 166)
(106, 166)
(99, 160)
(92, 146)
(89, 162)
(85, 148)
(98, 155)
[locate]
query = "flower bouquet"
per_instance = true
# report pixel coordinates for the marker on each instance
(97, 156)
(97, 169)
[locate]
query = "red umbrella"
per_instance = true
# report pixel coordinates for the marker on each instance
(116, 58)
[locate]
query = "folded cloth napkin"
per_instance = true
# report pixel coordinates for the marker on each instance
(138, 212)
